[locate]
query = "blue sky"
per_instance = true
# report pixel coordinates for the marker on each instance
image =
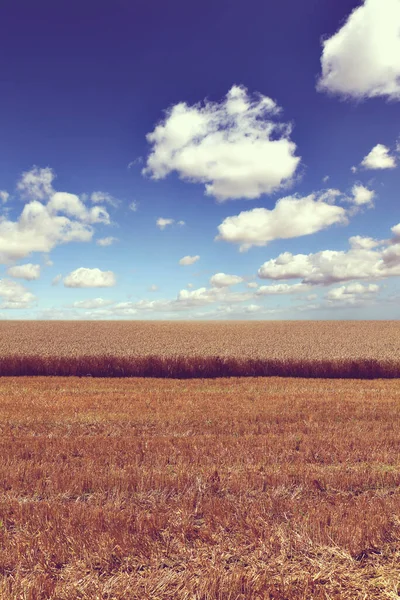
(223, 161)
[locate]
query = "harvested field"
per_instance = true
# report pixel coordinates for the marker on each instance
(204, 489)
(355, 349)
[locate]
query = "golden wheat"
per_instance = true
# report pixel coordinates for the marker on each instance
(197, 349)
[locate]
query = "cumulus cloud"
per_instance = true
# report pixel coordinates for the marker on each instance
(83, 278)
(252, 285)
(107, 241)
(197, 297)
(163, 223)
(362, 196)
(291, 217)
(189, 260)
(379, 158)
(38, 230)
(185, 300)
(104, 198)
(396, 232)
(14, 295)
(27, 271)
(119, 310)
(353, 293)
(236, 147)
(365, 243)
(93, 303)
(4, 196)
(48, 219)
(361, 60)
(282, 288)
(252, 308)
(72, 205)
(332, 266)
(221, 280)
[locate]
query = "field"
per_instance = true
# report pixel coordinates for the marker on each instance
(355, 349)
(200, 489)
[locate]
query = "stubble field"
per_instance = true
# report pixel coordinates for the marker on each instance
(200, 489)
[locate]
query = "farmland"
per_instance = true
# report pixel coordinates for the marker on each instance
(238, 488)
(355, 349)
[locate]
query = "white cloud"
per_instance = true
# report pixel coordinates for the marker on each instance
(107, 241)
(117, 311)
(379, 158)
(40, 227)
(153, 288)
(203, 296)
(331, 266)
(133, 206)
(362, 59)
(286, 266)
(14, 295)
(396, 231)
(27, 271)
(93, 303)
(4, 196)
(291, 217)
(36, 184)
(234, 147)
(72, 205)
(325, 179)
(163, 223)
(353, 169)
(252, 285)
(197, 297)
(189, 260)
(104, 198)
(221, 280)
(362, 196)
(282, 288)
(187, 299)
(252, 308)
(38, 230)
(352, 294)
(181, 223)
(364, 243)
(82, 278)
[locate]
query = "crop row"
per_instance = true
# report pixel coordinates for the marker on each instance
(182, 367)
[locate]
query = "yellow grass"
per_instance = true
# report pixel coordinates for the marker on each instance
(201, 489)
(355, 349)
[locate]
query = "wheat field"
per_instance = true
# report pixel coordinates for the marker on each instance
(355, 349)
(227, 489)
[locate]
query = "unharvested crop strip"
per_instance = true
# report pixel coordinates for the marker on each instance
(182, 367)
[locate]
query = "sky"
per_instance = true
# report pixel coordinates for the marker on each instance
(213, 160)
